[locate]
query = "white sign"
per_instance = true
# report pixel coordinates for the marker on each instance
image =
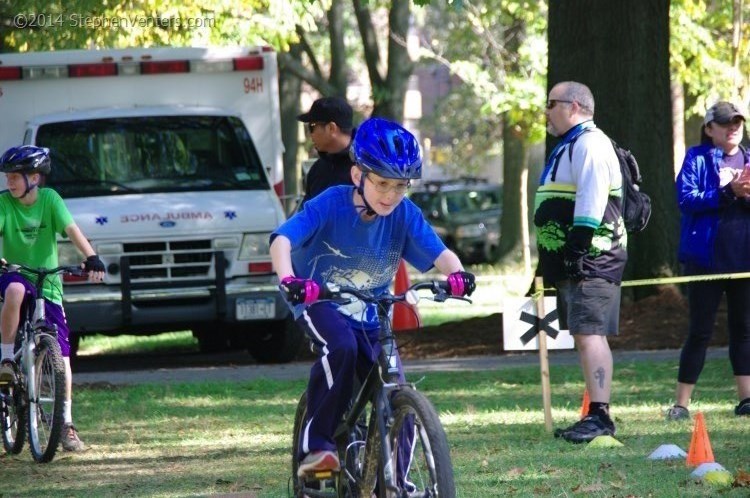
(519, 325)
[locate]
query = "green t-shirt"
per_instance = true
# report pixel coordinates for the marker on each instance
(30, 234)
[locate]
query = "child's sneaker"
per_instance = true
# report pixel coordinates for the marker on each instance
(70, 439)
(7, 372)
(318, 461)
(677, 412)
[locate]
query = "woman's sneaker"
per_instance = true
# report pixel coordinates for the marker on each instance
(70, 439)
(677, 412)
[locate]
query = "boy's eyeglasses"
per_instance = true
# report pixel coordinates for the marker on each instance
(384, 187)
(553, 102)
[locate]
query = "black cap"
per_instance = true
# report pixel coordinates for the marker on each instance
(722, 113)
(327, 110)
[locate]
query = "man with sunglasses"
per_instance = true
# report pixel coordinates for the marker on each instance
(582, 244)
(329, 124)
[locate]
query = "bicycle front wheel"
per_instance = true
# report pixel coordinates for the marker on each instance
(419, 449)
(46, 405)
(13, 420)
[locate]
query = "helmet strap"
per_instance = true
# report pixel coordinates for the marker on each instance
(361, 191)
(29, 186)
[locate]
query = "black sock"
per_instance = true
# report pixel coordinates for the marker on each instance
(600, 409)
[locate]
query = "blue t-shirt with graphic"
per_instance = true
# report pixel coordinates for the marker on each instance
(332, 243)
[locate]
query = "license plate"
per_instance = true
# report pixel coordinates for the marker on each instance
(256, 309)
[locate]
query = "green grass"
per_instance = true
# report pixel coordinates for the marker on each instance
(212, 438)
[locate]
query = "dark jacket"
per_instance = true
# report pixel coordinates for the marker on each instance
(330, 169)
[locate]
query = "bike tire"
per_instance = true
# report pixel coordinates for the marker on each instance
(46, 415)
(13, 423)
(299, 421)
(430, 470)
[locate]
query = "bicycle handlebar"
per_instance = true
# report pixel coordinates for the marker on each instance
(44, 272)
(439, 288)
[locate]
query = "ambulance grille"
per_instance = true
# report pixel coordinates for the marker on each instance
(169, 260)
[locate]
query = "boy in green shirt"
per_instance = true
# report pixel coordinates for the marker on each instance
(30, 219)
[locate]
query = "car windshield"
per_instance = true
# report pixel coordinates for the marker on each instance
(113, 156)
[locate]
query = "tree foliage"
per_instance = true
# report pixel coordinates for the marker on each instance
(705, 55)
(498, 50)
(54, 25)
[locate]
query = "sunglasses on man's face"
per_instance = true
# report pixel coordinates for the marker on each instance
(553, 102)
(311, 126)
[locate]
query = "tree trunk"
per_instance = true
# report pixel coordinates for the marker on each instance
(678, 124)
(339, 69)
(387, 92)
(290, 88)
(515, 164)
(621, 51)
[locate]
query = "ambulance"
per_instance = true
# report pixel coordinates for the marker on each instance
(170, 161)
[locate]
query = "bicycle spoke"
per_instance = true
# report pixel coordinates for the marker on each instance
(46, 408)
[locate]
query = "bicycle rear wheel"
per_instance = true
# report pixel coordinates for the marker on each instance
(13, 423)
(419, 449)
(46, 407)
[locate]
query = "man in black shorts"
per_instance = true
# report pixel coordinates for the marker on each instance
(581, 239)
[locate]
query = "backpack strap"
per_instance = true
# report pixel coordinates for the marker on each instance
(570, 151)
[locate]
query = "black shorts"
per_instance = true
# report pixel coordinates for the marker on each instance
(589, 307)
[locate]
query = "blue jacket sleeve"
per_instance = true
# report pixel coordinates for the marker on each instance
(697, 183)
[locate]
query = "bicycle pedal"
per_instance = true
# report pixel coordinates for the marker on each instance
(319, 488)
(321, 475)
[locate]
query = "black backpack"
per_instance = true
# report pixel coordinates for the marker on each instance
(636, 205)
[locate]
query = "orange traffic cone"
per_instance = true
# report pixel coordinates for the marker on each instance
(700, 447)
(405, 316)
(585, 403)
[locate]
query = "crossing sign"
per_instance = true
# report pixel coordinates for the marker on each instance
(521, 325)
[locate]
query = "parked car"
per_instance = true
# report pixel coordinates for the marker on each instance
(465, 212)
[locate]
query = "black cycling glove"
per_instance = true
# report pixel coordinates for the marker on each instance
(575, 250)
(93, 263)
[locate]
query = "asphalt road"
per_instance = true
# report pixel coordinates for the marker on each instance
(237, 367)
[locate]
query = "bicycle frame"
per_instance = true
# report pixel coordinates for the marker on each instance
(395, 406)
(379, 384)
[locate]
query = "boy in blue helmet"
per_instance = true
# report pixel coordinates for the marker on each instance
(30, 220)
(354, 236)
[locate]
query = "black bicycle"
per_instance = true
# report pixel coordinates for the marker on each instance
(34, 402)
(390, 442)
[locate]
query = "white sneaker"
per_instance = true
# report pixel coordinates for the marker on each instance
(319, 461)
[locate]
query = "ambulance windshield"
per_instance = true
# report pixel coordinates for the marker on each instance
(144, 154)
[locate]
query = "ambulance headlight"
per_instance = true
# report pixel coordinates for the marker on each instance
(254, 245)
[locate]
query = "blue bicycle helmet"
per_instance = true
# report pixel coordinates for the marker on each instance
(387, 149)
(26, 159)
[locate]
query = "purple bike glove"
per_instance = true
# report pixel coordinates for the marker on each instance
(300, 290)
(461, 283)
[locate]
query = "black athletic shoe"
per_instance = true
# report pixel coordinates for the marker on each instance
(586, 429)
(742, 409)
